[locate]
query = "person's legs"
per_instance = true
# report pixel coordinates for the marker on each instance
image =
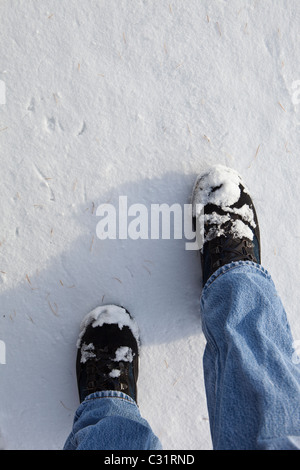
(252, 385)
(108, 417)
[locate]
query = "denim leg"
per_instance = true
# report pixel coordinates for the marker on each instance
(252, 384)
(110, 420)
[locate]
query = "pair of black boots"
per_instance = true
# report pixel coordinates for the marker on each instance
(227, 230)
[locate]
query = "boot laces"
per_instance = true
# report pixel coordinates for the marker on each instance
(227, 250)
(99, 372)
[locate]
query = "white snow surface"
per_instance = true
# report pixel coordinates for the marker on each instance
(133, 97)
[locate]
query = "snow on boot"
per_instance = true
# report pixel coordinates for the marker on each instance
(225, 220)
(107, 357)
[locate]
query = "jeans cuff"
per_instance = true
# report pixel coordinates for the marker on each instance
(108, 394)
(234, 265)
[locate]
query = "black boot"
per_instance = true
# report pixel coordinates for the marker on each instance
(225, 220)
(108, 355)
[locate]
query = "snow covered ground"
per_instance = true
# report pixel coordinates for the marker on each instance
(108, 98)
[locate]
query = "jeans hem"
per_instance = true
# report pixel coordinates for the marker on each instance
(109, 394)
(233, 265)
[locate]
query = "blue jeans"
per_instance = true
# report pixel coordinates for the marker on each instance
(252, 384)
(110, 420)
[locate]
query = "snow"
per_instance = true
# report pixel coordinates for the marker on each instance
(124, 353)
(225, 182)
(87, 352)
(241, 230)
(115, 373)
(109, 98)
(246, 213)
